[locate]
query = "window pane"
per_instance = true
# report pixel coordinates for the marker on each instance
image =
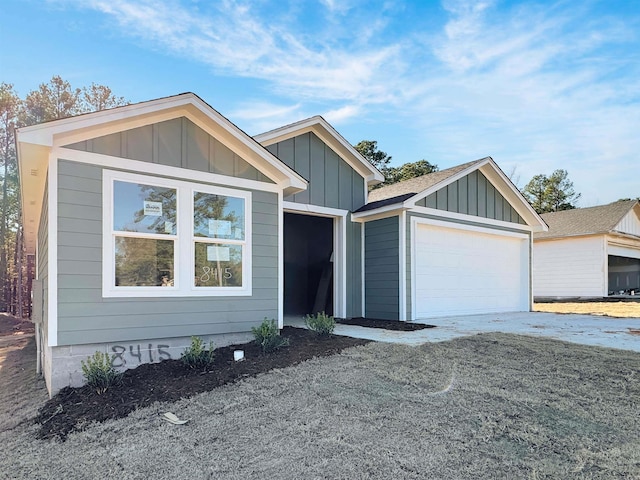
(144, 262)
(218, 216)
(144, 208)
(218, 265)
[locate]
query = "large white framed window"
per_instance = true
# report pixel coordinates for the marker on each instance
(164, 237)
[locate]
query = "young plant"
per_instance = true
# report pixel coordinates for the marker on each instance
(321, 323)
(99, 372)
(267, 335)
(196, 356)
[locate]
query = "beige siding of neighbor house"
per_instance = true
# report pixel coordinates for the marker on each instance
(570, 267)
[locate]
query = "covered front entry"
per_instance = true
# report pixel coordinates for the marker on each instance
(464, 270)
(308, 264)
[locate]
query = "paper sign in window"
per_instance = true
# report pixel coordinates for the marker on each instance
(153, 209)
(219, 228)
(217, 254)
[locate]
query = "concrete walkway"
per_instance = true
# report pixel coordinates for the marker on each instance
(622, 333)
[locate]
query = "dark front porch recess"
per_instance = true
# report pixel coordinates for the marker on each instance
(308, 269)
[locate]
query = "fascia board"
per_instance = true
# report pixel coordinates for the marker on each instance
(45, 133)
(500, 181)
(376, 213)
(329, 135)
(511, 193)
(82, 127)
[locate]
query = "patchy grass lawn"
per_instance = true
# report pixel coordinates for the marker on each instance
(488, 406)
(611, 309)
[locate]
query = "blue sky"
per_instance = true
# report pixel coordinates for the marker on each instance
(536, 85)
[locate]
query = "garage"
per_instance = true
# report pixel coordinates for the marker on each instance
(464, 270)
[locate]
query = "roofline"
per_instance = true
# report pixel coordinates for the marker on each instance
(45, 134)
(372, 175)
(590, 234)
(478, 165)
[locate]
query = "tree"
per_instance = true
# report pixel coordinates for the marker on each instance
(100, 97)
(369, 150)
(551, 193)
(53, 100)
(379, 159)
(50, 101)
(408, 170)
(9, 112)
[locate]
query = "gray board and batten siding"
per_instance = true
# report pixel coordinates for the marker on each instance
(382, 268)
(333, 183)
(474, 195)
(43, 259)
(84, 316)
(177, 143)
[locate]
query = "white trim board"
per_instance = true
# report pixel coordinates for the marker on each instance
(52, 253)
(137, 166)
(490, 222)
(402, 254)
(189, 105)
(280, 260)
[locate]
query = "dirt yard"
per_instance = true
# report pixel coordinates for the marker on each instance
(611, 309)
(488, 406)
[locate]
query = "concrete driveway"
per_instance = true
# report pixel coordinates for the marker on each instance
(622, 333)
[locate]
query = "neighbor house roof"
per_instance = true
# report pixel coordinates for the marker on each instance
(585, 221)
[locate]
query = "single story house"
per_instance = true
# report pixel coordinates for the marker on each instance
(589, 252)
(157, 221)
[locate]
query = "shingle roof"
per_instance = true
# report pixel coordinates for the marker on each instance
(585, 221)
(415, 185)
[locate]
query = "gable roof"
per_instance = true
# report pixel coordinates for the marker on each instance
(35, 144)
(417, 184)
(330, 136)
(405, 195)
(586, 221)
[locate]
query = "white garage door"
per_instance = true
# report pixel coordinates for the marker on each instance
(462, 271)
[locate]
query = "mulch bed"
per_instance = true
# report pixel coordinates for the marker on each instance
(386, 324)
(171, 380)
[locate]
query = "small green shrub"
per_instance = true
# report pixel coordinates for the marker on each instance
(321, 323)
(99, 372)
(197, 356)
(268, 336)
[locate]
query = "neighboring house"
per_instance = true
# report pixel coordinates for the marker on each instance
(157, 221)
(589, 252)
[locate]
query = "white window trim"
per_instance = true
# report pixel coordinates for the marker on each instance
(184, 249)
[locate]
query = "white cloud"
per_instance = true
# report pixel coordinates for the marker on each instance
(342, 114)
(541, 86)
